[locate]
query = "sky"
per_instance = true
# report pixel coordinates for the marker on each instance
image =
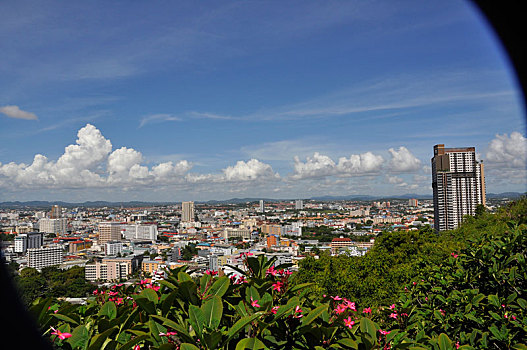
(185, 100)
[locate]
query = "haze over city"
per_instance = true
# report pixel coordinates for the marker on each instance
(127, 101)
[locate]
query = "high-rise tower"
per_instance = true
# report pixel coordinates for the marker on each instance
(458, 182)
(187, 211)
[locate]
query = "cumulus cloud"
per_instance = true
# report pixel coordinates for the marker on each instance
(403, 161)
(249, 171)
(320, 165)
(17, 113)
(317, 166)
(508, 151)
(91, 163)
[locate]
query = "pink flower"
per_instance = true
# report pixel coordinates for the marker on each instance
(506, 316)
(340, 309)
(348, 322)
(254, 303)
(288, 273)
(367, 310)
(336, 298)
(95, 292)
(384, 332)
(277, 286)
(442, 312)
(275, 309)
(59, 334)
(271, 271)
(137, 347)
(393, 315)
(513, 317)
(167, 334)
(454, 255)
(414, 283)
(112, 294)
(457, 345)
(350, 305)
(211, 272)
(298, 310)
(392, 307)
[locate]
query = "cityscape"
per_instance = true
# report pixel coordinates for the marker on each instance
(261, 175)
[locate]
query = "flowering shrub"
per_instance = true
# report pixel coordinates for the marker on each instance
(475, 299)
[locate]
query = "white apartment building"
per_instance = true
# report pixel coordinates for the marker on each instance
(56, 226)
(458, 183)
(140, 232)
(39, 258)
(229, 232)
(26, 241)
(113, 248)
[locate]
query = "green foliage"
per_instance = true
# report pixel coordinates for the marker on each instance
(474, 298)
(52, 282)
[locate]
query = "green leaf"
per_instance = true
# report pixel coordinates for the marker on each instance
(519, 347)
(188, 346)
(183, 276)
(367, 326)
(203, 282)
(240, 324)
(444, 342)
(283, 309)
(149, 294)
(250, 343)
(109, 310)
(146, 305)
(493, 299)
(182, 332)
(79, 337)
(197, 319)
(522, 303)
(313, 314)
(348, 343)
(300, 286)
(132, 342)
(219, 287)
(212, 310)
(66, 318)
(496, 333)
(97, 341)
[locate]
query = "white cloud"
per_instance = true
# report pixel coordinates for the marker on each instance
(508, 151)
(91, 163)
(17, 113)
(360, 164)
(158, 118)
(394, 179)
(317, 166)
(403, 161)
(320, 165)
(249, 171)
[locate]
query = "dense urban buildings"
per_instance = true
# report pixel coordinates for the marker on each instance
(119, 243)
(458, 183)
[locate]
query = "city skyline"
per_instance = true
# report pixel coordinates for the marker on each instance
(180, 102)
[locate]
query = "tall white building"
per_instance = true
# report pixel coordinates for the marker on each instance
(26, 241)
(187, 211)
(39, 258)
(262, 206)
(56, 226)
(458, 183)
(299, 204)
(140, 232)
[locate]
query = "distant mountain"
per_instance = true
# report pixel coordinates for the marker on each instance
(94, 204)
(505, 195)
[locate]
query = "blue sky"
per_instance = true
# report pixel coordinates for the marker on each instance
(175, 101)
